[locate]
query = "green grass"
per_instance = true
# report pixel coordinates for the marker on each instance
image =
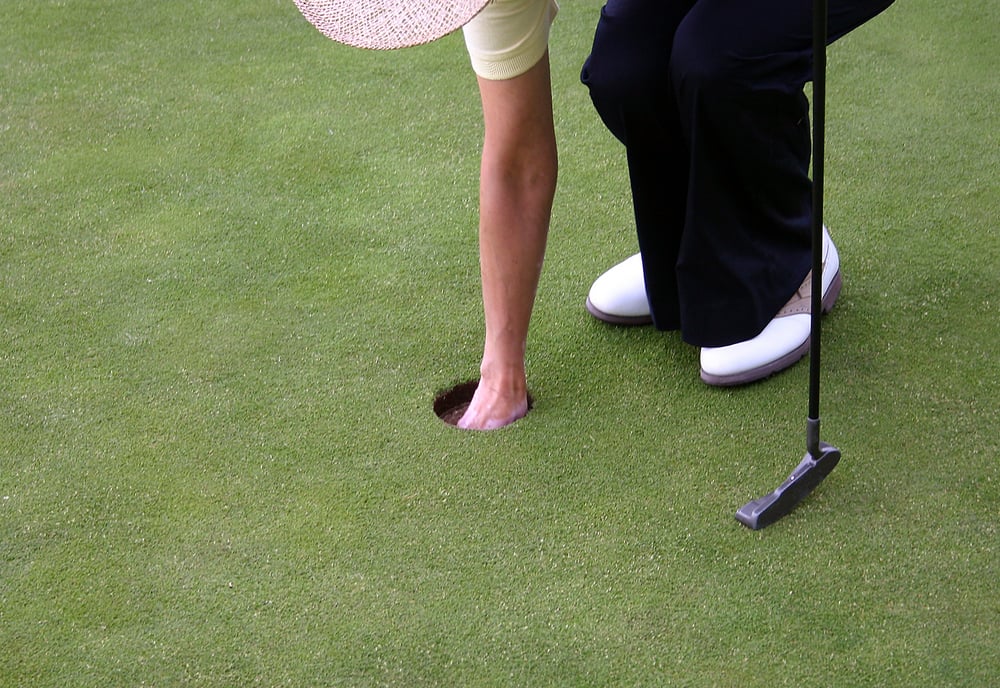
(237, 263)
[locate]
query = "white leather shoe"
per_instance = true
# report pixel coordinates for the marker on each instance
(619, 295)
(783, 341)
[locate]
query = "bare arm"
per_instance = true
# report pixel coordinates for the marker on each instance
(517, 185)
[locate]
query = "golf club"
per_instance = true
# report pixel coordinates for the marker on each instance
(820, 458)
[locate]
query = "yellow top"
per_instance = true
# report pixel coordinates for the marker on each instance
(508, 37)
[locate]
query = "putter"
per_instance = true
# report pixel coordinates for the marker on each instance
(820, 458)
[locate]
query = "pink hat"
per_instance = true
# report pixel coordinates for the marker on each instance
(388, 24)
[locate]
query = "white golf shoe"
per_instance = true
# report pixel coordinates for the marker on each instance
(783, 341)
(619, 295)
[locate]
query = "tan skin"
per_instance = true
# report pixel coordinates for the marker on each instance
(516, 188)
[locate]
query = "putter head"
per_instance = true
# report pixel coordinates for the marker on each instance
(807, 475)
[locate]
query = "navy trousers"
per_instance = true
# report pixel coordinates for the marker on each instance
(707, 97)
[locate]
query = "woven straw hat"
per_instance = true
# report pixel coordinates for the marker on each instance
(388, 24)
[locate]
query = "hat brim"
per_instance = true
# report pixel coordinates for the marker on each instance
(388, 24)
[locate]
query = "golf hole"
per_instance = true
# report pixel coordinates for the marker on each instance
(451, 404)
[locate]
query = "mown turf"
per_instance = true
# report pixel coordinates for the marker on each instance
(237, 263)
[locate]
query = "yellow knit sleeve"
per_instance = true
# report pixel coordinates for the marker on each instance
(508, 37)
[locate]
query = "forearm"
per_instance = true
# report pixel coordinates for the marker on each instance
(517, 185)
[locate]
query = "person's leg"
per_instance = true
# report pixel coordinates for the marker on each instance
(746, 244)
(733, 203)
(628, 76)
(738, 68)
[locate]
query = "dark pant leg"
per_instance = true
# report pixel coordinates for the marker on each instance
(628, 74)
(738, 68)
